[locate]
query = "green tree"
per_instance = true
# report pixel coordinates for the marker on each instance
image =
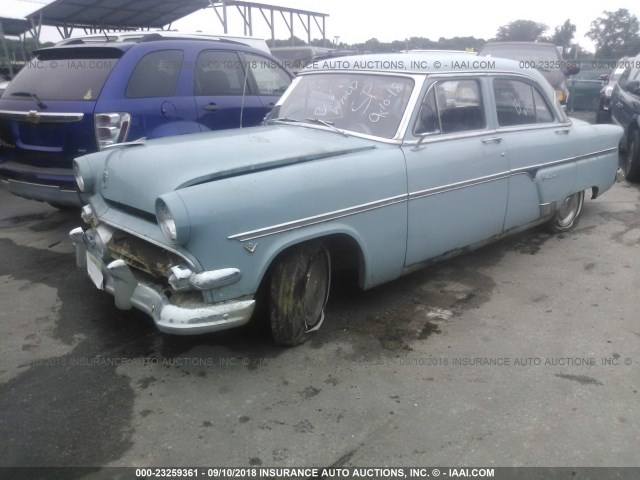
(615, 34)
(563, 35)
(521, 31)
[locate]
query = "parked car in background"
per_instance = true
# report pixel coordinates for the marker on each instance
(386, 164)
(545, 57)
(609, 81)
(625, 111)
(87, 94)
(584, 89)
(297, 58)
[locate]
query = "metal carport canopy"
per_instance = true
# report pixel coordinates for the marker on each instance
(116, 14)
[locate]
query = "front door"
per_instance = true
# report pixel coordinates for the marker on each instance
(458, 174)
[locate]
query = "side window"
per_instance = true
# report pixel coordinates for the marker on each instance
(451, 106)
(269, 77)
(156, 75)
(428, 121)
(519, 103)
(219, 73)
(622, 81)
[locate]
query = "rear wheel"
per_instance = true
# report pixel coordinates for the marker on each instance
(632, 159)
(568, 215)
(299, 291)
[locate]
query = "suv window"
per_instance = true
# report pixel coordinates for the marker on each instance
(451, 106)
(219, 73)
(269, 77)
(519, 103)
(156, 75)
(55, 76)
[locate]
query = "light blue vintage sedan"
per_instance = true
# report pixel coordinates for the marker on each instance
(388, 162)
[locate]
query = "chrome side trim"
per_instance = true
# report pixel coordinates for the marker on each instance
(35, 117)
(325, 217)
(458, 185)
(533, 169)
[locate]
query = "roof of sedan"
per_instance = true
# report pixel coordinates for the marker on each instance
(420, 62)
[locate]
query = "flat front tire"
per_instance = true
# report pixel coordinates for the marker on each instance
(568, 214)
(299, 290)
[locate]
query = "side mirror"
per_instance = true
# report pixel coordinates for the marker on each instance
(573, 69)
(604, 77)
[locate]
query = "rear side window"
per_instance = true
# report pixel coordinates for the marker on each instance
(519, 103)
(53, 76)
(219, 73)
(156, 75)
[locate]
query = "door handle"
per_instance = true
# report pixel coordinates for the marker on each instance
(492, 140)
(212, 107)
(563, 131)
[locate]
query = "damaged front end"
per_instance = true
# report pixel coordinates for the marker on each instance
(157, 281)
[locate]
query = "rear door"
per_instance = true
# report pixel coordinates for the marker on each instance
(223, 96)
(622, 102)
(154, 90)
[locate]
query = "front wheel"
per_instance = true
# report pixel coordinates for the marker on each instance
(568, 215)
(299, 291)
(632, 159)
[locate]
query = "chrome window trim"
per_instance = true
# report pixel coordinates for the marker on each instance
(440, 137)
(417, 78)
(349, 211)
(34, 116)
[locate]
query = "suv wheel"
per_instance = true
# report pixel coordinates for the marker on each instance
(632, 159)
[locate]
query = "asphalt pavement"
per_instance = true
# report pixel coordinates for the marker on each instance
(522, 353)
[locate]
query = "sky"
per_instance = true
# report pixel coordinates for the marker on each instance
(355, 21)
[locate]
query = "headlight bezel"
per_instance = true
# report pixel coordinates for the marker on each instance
(173, 219)
(83, 175)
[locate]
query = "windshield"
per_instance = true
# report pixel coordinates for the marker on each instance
(362, 103)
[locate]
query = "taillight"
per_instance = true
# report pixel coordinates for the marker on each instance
(111, 128)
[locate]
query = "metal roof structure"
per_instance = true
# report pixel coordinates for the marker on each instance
(14, 27)
(268, 14)
(99, 15)
(13, 23)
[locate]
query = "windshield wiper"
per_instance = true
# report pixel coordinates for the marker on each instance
(327, 124)
(39, 102)
(283, 119)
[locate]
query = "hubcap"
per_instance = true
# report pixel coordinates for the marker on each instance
(316, 291)
(569, 209)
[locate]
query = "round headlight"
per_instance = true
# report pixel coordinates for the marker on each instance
(83, 174)
(167, 222)
(78, 176)
(173, 218)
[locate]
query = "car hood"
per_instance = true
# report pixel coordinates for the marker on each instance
(137, 175)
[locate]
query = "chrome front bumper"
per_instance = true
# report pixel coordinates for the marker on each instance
(118, 279)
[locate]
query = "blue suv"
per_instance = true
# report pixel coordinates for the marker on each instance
(84, 95)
